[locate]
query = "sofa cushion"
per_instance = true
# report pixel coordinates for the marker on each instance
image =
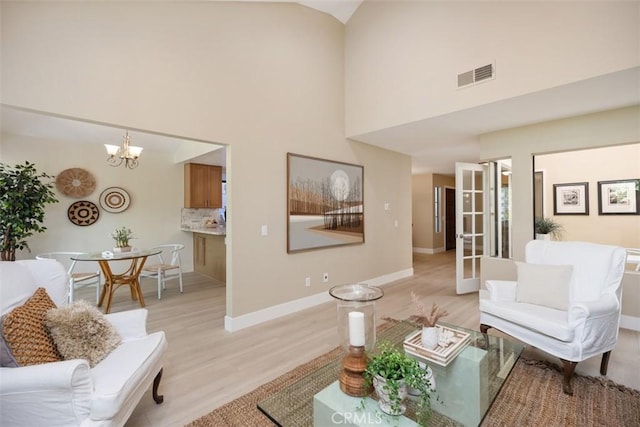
(81, 331)
(6, 357)
(547, 321)
(25, 333)
(542, 284)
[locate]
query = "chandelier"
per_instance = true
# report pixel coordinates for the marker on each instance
(127, 153)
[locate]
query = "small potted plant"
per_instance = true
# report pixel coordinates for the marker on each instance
(546, 228)
(122, 236)
(428, 321)
(392, 372)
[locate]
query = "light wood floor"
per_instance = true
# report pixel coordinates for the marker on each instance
(206, 366)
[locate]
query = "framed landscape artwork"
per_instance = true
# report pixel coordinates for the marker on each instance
(621, 197)
(325, 203)
(571, 199)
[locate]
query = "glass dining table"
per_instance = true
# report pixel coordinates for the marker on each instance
(129, 277)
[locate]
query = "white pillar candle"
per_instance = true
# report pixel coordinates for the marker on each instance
(356, 328)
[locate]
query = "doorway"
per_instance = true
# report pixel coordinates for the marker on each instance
(450, 219)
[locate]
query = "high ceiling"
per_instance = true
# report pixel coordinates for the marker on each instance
(434, 144)
(340, 9)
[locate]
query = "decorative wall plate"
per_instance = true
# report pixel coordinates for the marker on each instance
(114, 199)
(75, 182)
(83, 213)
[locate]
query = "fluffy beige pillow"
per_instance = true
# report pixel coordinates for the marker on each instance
(544, 284)
(26, 337)
(81, 331)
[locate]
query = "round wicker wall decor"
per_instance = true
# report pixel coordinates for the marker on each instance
(75, 182)
(115, 199)
(83, 213)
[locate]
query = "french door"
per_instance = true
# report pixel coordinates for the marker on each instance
(471, 224)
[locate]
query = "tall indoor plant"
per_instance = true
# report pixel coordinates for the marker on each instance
(24, 193)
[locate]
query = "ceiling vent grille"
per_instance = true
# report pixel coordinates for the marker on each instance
(486, 72)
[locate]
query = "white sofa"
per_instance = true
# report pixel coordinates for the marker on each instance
(589, 325)
(70, 393)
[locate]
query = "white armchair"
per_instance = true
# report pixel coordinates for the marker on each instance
(70, 392)
(566, 301)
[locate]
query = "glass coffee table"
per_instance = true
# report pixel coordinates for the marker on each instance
(465, 388)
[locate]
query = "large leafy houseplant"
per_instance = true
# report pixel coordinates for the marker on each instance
(398, 370)
(24, 193)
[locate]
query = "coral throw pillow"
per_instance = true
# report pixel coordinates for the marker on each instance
(81, 331)
(25, 333)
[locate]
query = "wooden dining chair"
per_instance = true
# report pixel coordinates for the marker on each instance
(163, 271)
(76, 279)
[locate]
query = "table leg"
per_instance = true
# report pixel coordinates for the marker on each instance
(131, 278)
(136, 279)
(108, 281)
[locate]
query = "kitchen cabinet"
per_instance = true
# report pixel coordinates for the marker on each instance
(210, 256)
(202, 186)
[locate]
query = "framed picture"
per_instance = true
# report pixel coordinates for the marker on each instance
(325, 203)
(620, 197)
(571, 199)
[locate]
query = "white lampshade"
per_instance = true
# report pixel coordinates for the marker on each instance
(135, 151)
(112, 150)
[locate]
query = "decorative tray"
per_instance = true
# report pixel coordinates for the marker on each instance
(440, 355)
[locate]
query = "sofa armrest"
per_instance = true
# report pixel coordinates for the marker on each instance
(605, 306)
(30, 394)
(501, 290)
(130, 324)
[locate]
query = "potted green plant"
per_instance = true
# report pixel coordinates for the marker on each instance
(23, 197)
(122, 236)
(392, 372)
(545, 228)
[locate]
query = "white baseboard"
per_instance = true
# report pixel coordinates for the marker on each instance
(233, 324)
(628, 322)
(428, 251)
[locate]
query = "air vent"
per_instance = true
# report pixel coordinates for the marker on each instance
(486, 72)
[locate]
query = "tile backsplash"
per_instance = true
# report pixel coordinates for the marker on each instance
(195, 218)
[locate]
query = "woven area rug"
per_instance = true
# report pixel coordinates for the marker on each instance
(531, 396)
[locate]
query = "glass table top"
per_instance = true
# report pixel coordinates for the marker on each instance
(102, 256)
(465, 388)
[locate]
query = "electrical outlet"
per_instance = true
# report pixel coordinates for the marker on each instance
(307, 281)
(325, 277)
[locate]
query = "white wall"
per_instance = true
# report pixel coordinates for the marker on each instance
(599, 164)
(403, 57)
(155, 188)
(603, 129)
(266, 79)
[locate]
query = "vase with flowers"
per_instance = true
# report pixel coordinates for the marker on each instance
(122, 236)
(428, 321)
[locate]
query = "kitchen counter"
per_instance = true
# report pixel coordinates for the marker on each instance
(217, 231)
(210, 252)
